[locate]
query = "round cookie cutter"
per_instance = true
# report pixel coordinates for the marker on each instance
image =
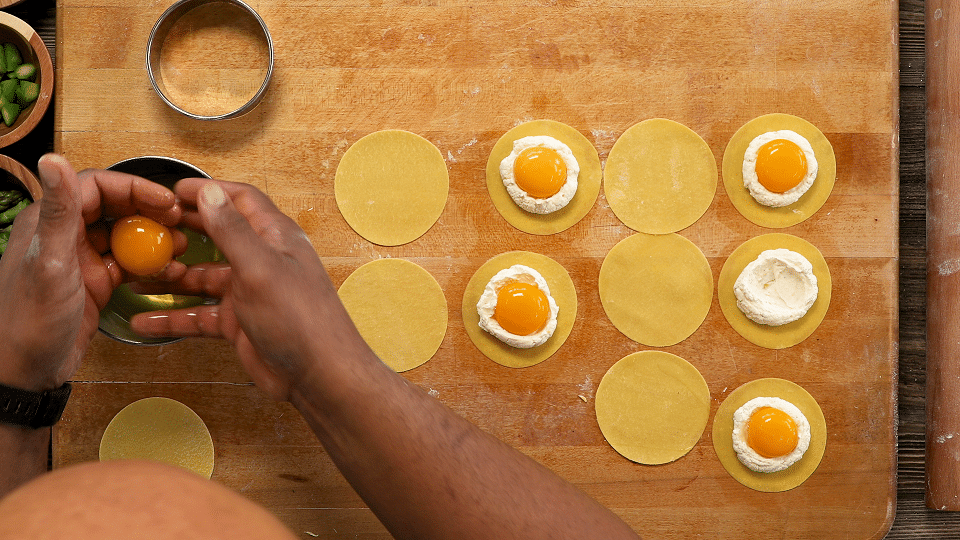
(161, 30)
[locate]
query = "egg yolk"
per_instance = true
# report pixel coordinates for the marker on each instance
(540, 171)
(522, 308)
(141, 245)
(771, 432)
(781, 165)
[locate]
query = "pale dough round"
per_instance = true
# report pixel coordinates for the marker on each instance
(391, 186)
(159, 429)
(809, 203)
(399, 309)
(788, 478)
(656, 289)
(561, 289)
(652, 407)
(660, 177)
(773, 337)
(588, 181)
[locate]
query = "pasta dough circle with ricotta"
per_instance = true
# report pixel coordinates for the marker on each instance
(809, 203)
(588, 188)
(652, 407)
(656, 289)
(773, 337)
(391, 186)
(561, 289)
(660, 177)
(159, 429)
(399, 309)
(788, 478)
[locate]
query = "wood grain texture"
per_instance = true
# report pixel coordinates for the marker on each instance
(460, 74)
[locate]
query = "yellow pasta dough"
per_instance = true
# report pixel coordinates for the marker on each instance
(391, 187)
(561, 288)
(588, 181)
(652, 407)
(399, 309)
(656, 289)
(788, 478)
(809, 203)
(773, 337)
(159, 429)
(660, 177)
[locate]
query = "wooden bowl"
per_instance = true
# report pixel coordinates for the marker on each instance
(19, 177)
(33, 50)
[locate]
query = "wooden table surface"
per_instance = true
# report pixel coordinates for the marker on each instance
(912, 519)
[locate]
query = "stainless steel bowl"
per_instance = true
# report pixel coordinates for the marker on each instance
(161, 31)
(124, 304)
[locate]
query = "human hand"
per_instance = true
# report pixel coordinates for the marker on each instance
(277, 306)
(54, 276)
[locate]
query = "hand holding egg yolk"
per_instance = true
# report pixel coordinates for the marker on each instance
(516, 307)
(779, 167)
(140, 245)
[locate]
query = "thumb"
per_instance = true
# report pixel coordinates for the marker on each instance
(58, 224)
(228, 228)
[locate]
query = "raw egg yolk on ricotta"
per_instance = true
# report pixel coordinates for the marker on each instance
(771, 432)
(141, 245)
(522, 308)
(781, 165)
(540, 171)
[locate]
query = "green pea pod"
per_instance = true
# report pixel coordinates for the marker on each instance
(4, 238)
(8, 215)
(9, 198)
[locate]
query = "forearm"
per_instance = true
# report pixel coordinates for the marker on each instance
(428, 473)
(23, 455)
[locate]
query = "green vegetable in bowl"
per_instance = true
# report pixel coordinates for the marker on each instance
(11, 203)
(17, 83)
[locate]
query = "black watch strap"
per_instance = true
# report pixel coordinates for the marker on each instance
(32, 409)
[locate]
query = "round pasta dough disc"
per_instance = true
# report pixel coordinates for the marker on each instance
(788, 478)
(809, 203)
(660, 177)
(652, 407)
(159, 429)
(399, 309)
(391, 186)
(561, 289)
(588, 181)
(786, 335)
(656, 289)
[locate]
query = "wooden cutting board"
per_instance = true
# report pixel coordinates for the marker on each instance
(461, 73)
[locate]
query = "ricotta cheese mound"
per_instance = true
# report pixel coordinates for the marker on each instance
(554, 202)
(487, 306)
(761, 194)
(777, 288)
(750, 458)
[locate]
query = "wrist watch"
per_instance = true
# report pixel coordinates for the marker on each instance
(32, 409)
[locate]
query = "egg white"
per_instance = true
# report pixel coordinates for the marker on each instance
(750, 458)
(776, 288)
(487, 305)
(522, 198)
(761, 194)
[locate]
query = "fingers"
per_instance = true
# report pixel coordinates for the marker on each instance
(200, 321)
(116, 194)
(209, 280)
(230, 231)
(58, 224)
